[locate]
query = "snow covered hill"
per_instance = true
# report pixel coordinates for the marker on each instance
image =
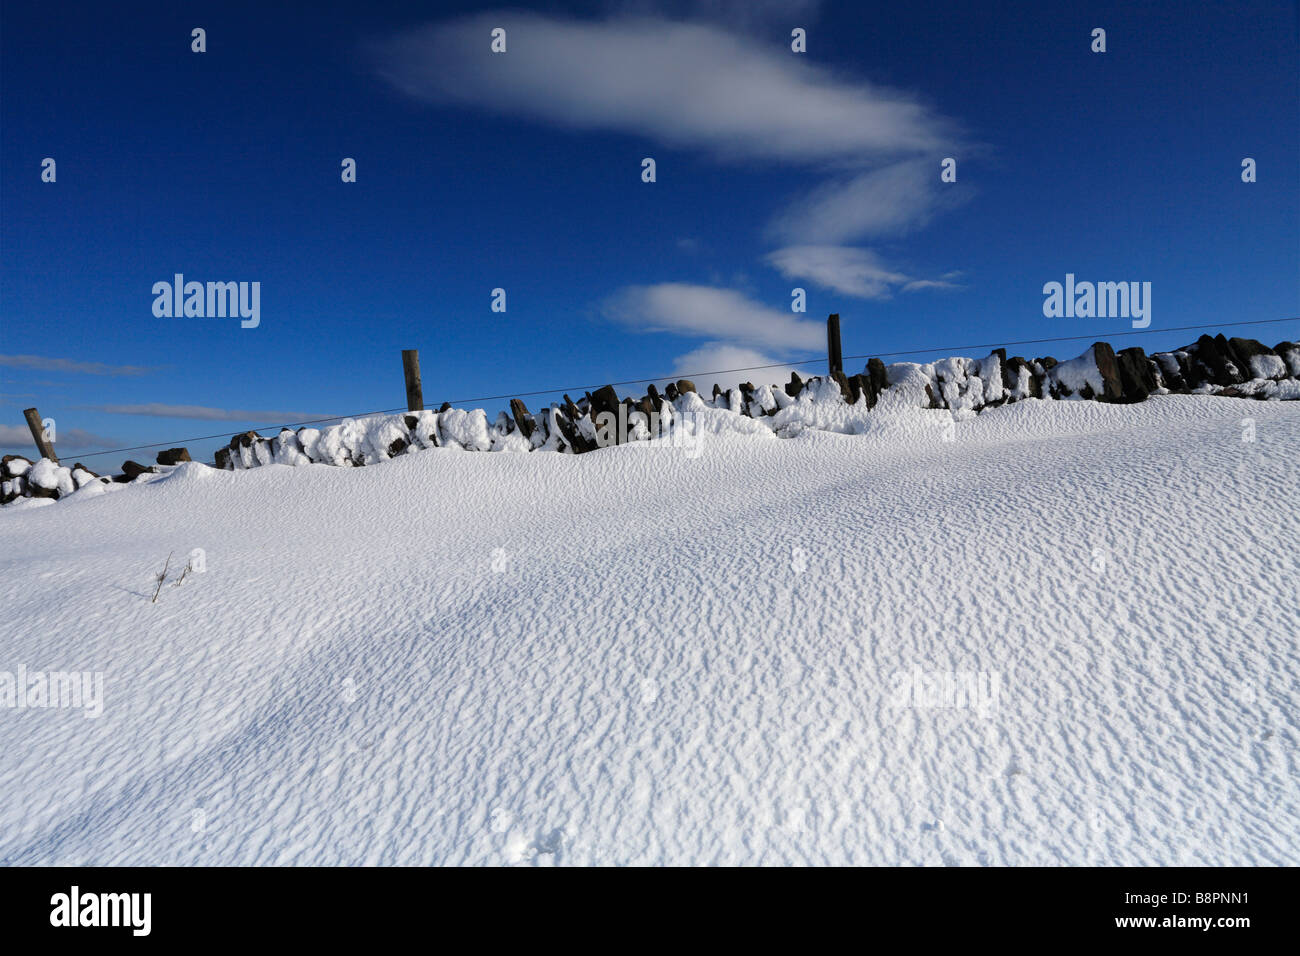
(1055, 632)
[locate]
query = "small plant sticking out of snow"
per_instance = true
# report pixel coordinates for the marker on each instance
(195, 564)
(162, 577)
(189, 566)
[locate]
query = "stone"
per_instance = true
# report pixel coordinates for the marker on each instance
(527, 425)
(173, 456)
(570, 432)
(1137, 381)
(1172, 367)
(1002, 364)
(843, 383)
(878, 376)
(1247, 349)
(20, 465)
(1108, 366)
(36, 491)
(857, 387)
(604, 401)
(1215, 361)
(132, 470)
(685, 385)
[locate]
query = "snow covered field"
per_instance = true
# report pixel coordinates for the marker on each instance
(1067, 636)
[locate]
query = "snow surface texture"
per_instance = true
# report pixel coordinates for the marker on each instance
(653, 656)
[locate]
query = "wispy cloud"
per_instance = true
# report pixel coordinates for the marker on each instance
(205, 413)
(44, 363)
(856, 272)
(851, 271)
(688, 84)
(946, 281)
(708, 312)
(73, 439)
(895, 199)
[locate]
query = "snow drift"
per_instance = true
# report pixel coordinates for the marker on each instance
(1054, 632)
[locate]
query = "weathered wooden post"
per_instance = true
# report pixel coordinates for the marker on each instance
(833, 353)
(411, 368)
(38, 432)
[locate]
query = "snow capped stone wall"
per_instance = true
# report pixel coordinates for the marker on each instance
(1240, 368)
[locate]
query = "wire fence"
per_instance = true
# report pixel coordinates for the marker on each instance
(175, 442)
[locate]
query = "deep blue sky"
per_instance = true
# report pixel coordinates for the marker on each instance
(225, 166)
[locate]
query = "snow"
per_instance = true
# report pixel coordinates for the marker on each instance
(465, 429)
(1076, 373)
(44, 474)
(1267, 366)
(1065, 636)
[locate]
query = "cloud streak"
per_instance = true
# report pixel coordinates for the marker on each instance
(850, 271)
(206, 413)
(43, 363)
(895, 199)
(709, 312)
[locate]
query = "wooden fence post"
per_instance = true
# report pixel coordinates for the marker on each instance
(38, 433)
(833, 353)
(411, 368)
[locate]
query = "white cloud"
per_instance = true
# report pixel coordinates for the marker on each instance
(898, 198)
(945, 282)
(687, 84)
(710, 312)
(850, 271)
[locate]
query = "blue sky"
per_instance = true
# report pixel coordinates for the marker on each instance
(522, 171)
